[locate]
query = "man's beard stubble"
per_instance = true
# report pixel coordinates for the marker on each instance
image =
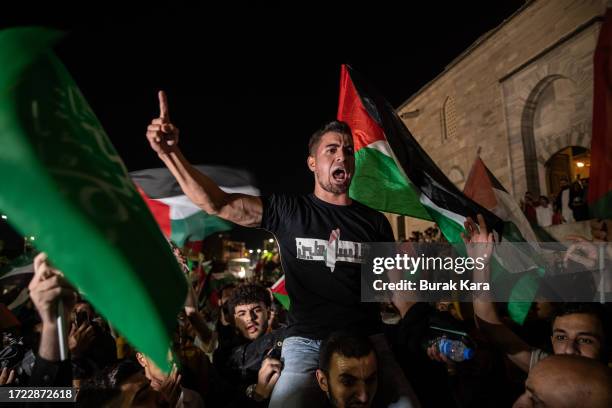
(334, 189)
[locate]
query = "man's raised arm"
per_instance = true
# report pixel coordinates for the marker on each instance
(241, 209)
(479, 243)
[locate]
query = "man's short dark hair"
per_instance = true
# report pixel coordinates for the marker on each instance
(335, 126)
(595, 309)
(105, 385)
(246, 294)
(345, 344)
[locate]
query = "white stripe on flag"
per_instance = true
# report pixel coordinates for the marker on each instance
(182, 207)
(459, 219)
(278, 282)
(249, 190)
(382, 146)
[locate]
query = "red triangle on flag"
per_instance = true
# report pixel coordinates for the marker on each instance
(351, 110)
(160, 211)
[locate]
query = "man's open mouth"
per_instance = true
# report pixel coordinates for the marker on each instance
(339, 175)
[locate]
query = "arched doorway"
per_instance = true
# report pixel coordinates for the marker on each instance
(551, 120)
(572, 164)
(568, 170)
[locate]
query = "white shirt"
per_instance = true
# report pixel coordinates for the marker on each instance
(566, 211)
(544, 216)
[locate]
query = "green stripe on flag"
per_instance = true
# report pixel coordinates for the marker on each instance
(375, 172)
(196, 227)
(283, 300)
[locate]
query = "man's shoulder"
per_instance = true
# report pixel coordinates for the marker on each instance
(286, 198)
(369, 211)
(278, 208)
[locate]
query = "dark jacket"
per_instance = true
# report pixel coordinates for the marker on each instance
(239, 363)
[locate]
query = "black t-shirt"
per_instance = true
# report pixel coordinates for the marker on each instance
(325, 290)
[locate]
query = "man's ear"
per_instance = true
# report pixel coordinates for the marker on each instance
(141, 359)
(322, 380)
(311, 163)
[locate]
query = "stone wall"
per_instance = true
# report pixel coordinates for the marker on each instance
(521, 93)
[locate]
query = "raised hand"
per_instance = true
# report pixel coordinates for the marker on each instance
(478, 240)
(80, 338)
(46, 287)
(161, 133)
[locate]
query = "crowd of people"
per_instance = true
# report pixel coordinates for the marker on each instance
(235, 360)
(567, 206)
(329, 349)
(430, 234)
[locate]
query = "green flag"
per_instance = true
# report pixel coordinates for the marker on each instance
(63, 182)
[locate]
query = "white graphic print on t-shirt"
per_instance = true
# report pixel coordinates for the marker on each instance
(331, 251)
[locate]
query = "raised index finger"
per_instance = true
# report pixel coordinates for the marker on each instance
(164, 115)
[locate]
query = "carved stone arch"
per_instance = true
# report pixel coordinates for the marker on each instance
(536, 151)
(578, 135)
(568, 64)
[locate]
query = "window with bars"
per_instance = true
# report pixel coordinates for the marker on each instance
(449, 119)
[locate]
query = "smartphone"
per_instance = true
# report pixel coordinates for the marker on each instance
(276, 350)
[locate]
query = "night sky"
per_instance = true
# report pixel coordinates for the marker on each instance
(248, 83)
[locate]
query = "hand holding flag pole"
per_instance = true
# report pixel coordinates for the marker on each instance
(54, 298)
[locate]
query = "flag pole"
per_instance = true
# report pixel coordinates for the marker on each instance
(61, 331)
(602, 295)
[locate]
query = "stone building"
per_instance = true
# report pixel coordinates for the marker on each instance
(523, 93)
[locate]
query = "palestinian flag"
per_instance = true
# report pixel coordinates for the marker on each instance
(484, 188)
(178, 217)
(600, 179)
(86, 214)
(385, 148)
(280, 293)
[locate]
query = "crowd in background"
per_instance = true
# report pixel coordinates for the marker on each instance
(568, 205)
(226, 350)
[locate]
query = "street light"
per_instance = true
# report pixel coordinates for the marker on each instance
(4, 217)
(258, 250)
(270, 240)
(250, 251)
